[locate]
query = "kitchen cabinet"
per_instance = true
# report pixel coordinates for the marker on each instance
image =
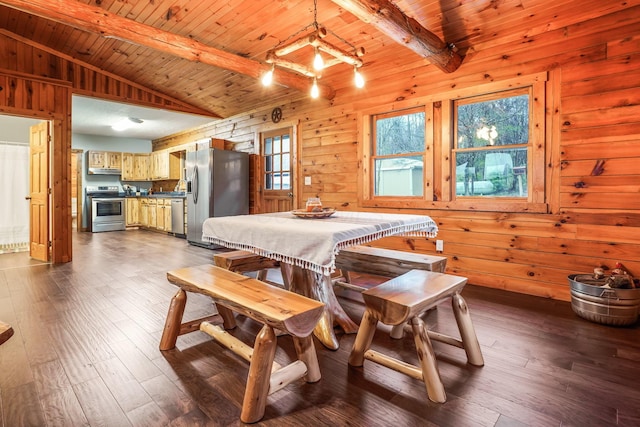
(144, 212)
(160, 223)
(153, 214)
(135, 167)
(132, 210)
(105, 159)
(167, 215)
(164, 165)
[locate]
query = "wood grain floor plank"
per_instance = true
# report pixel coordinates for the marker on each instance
(62, 408)
(21, 406)
(99, 406)
(126, 390)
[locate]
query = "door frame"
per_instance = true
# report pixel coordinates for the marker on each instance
(258, 165)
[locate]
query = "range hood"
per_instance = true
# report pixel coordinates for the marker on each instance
(103, 171)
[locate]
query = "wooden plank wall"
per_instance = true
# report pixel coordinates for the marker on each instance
(594, 216)
(35, 82)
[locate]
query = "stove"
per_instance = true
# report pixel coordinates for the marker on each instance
(103, 191)
(106, 208)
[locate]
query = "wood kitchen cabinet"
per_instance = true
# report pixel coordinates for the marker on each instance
(160, 214)
(164, 165)
(144, 212)
(132, 211)
(167, 215)
(135, 167)
(104, 159)
(153, 214)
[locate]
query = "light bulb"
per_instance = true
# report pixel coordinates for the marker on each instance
(267, 78)
(315, 91)
(318, 62)
(358, 79)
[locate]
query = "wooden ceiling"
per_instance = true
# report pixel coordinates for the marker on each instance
(248, 29)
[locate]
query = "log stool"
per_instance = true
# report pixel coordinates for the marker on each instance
(403, 299)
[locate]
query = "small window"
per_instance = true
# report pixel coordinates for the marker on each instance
(491, 149)
(398, 153)
(277, 161)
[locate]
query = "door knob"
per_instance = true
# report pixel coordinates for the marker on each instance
(290, 195)
(27, 198)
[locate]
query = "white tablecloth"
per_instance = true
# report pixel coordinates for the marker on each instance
(310, 243)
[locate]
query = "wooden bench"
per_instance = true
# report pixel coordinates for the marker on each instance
(272, 306)
(244, 262)
(383, 262)
(6, 332)
(403, 299)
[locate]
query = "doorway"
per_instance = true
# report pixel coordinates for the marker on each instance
(14, 169)
(277, 173)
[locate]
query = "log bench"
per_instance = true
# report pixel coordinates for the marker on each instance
(6, 332)
(403, 299)
(383, 262)
(245, 262)
(274, 307)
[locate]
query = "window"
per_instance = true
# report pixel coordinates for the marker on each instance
(398, 159)
(277, 158)
(480, 148)
(491, 144)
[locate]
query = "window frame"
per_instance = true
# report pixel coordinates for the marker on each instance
(374, 147)
(439, 176)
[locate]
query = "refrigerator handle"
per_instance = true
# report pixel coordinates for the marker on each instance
(195, 184)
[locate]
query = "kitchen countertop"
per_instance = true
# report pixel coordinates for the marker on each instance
(161, 195)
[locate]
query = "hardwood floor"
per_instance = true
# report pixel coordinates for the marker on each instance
(85, 352)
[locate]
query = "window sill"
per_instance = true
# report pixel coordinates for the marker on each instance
(490, 205)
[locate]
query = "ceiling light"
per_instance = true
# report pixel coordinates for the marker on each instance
(267, 78)
(316, 39)
(315, 91)
(357, 78)
(126, 123)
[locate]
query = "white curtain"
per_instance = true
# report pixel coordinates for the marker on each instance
(14, 186)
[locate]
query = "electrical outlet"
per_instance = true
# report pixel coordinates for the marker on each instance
(439, 245)
(307, 180)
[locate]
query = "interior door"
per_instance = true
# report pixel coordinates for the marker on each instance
(39, 192)
(277, 174)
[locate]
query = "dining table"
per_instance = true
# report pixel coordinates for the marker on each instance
(307, 246)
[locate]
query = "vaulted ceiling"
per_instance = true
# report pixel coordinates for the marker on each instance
(170, 51)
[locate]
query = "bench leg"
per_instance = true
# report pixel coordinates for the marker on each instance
(467, 331)
(255, 395)
(430, 374)
(228, 319)
(363, 339)
(174, 321)
(262, 275)
(306, 352)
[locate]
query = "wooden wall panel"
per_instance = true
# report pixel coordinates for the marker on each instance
(594, 217)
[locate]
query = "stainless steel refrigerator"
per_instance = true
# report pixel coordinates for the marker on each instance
(217, 185)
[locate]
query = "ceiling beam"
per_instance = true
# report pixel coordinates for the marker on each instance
(106, 24)
(390, 20)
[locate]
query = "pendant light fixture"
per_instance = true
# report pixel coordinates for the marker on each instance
(316, 38)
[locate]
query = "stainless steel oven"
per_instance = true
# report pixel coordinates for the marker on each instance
(107, 209)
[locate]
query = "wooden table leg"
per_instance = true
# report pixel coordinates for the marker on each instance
(319, 287)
